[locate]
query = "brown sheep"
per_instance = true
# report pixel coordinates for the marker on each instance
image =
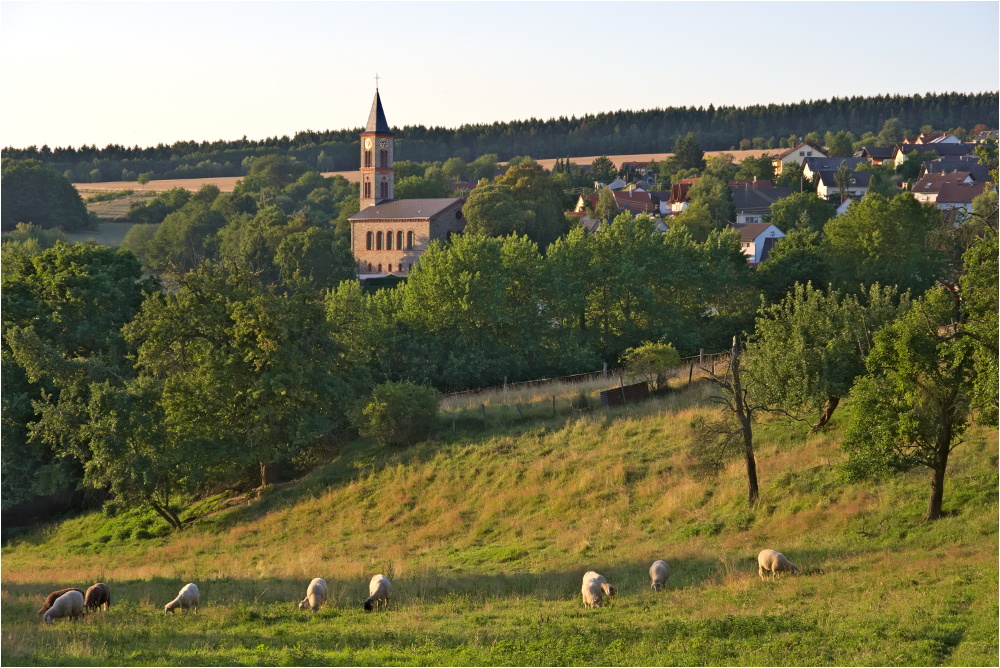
(99, 595)
(51, 598)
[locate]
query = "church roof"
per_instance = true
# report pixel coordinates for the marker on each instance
(376, 119)
(407, 208)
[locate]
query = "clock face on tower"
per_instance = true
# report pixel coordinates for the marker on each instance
(368, 142)
(383, 143)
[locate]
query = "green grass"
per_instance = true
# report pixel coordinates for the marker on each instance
(487, 531)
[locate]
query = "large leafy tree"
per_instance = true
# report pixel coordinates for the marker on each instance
(916, 401)
(803, 210)
(885, 241)
(249, 375)
(491, 210)
(535, 190)
(63, 309)
(809, 347)
(31, 192)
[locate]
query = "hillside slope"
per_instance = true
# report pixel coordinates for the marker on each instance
(486, 536)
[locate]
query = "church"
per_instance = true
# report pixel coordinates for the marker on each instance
(388, 236)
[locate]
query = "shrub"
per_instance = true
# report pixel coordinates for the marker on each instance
(651, 362)
(398, 413)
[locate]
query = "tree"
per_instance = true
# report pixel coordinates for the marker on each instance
(688, 153)
(715, 194)
(602, 169)
(803, 211)
(808, 349)
(538, 193)
(839, 145)
(491, 210)
(915, 402)
(651, 362)
(250, 376)
(796, 258)
(63, 309)
(760, 167)
(885, 241)
(398, 413)
(30, 192)
(607, 207)
(843, 178)
(735, 430)
(890, 134)
(910, 169)
(144, 178)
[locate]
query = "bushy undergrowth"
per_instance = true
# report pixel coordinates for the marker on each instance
(488, 530)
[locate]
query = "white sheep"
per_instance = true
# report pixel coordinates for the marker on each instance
(595, 588)
(658, 573)
(774, 563)
(379, 588)
(187, 599)
(69, 605)
(315, 595)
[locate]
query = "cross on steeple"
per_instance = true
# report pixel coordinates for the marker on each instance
(376, 81)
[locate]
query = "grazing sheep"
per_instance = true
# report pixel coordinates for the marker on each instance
(69, 605)
(774, 562)
(315, 595)
(595, 588)
(379, 588)
(186, 599)
(99, 595)
(51, 598)
(658, 573)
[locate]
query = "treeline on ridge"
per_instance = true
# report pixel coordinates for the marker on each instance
(619, 132)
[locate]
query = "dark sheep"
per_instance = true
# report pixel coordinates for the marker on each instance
(51, 598)
(97, 596)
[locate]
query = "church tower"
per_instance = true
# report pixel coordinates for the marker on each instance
(377, 174)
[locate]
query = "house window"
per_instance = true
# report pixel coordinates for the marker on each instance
(802, 152)
(399, 240)
(388, 240)
(368, 241)
(368, 158)
(809, 153)
(409, 240)
(378, 245)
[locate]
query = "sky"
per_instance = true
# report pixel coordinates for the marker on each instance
(143, 73)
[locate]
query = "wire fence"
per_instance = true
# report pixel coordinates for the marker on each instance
(709, 360)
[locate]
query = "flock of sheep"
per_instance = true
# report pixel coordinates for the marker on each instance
(72, 602)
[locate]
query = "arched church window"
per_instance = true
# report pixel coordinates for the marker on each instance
(368, 241)
(409, 240)
(378, 242)
(369, 267)
(384, 157)
(368, 189)
(384, 190)
(399, 240)
(390, 267)
(388, 240)
(380, 267)
(368, 158)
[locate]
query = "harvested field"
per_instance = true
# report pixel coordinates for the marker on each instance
(227, 183)
(114, 210)
(107, 234)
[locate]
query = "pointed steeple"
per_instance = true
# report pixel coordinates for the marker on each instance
(376, 119)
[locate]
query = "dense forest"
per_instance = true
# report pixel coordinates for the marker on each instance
(620, 132)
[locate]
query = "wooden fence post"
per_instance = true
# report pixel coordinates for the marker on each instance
(519, 410)
(553, 405)
(690, 371)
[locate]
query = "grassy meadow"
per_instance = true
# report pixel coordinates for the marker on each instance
(486, 531)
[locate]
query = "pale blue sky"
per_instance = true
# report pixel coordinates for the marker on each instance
(149, 72)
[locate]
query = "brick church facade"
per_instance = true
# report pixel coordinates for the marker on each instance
(388, 236)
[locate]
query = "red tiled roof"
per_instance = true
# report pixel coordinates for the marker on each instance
(960, 193)
(932, 183)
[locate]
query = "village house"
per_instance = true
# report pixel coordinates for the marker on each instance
(757, 240)
(876, 155)
(796, 154)
(827, 186)
(752, 204)
(900, 151)
(927, 188)
(813, 165)
(957, 163)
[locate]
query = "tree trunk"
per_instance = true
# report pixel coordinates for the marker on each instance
(831, 405)
(266, 474)
(746, 428)
(939, 468)
(166, 513)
